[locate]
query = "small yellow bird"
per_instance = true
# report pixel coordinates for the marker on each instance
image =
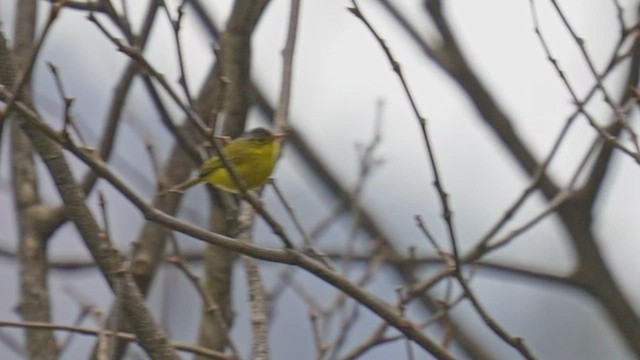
(253, 156)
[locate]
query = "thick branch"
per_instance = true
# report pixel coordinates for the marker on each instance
(384, 310)
(152, 338)
(31, 214)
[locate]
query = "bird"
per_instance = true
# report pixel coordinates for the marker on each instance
(252, 156)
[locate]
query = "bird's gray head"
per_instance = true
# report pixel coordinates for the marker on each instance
(259, 134)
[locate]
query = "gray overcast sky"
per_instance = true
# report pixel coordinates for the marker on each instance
(340, 73)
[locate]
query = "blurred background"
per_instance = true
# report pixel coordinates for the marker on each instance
(344, 94)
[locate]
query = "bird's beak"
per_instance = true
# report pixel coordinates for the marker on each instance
(279, 137)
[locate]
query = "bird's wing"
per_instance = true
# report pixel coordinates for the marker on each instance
(214, 163)
(210, 165)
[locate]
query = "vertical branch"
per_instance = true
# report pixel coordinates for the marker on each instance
(257, 294)
(211, 308)
(230, 96)
(451, 59)
(320, 170)
(434, 7)
(150, 336)
(235, 61)
(31, 214)
(218, 270)
(422, 122)
(281, 117)
(576, 213)
(156, 345)
(175, 26)
(121, 92)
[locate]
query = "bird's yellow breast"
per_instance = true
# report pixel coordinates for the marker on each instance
(252, 164)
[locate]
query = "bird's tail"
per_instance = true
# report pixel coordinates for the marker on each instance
(186, 184)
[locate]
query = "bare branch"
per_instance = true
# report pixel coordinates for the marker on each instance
(281, 118)
(120, 335)
(292, 257)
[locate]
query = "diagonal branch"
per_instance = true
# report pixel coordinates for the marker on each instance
(450, 58)
(120, 335)
(107, 262)
(151, 337)
(32, 215)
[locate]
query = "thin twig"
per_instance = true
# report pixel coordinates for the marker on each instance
(427, 234)
(85, 309)
(579, 104)
(175, 26)
(321, 347)
(258, 298)
(446, 211)
(287, 256)
(308, 240)
(26, 72)
(516, 342)
(210, 306)
(190, 348)
(376, 338)
(102, 202)
(135, 54)
(281, 117)
(68, 102)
